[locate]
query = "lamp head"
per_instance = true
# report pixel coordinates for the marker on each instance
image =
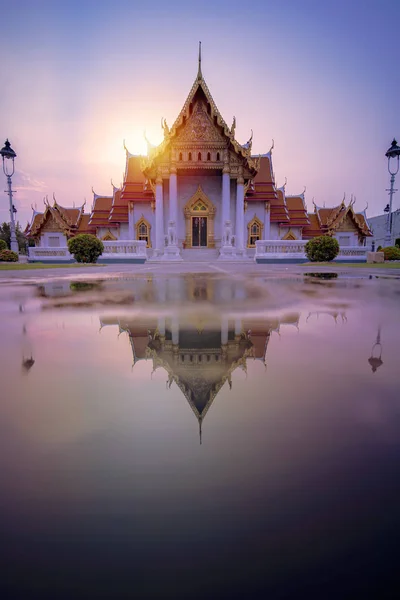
(8, 152)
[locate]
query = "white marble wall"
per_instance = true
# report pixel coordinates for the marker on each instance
(378, 225)
(45, 243)
(143, 209)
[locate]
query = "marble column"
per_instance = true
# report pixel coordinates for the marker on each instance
(160, 234)
(239, 233)
(175, 330)
(131, 228)
(173, 196)
(226, 195)
(224, 331)
(267, 223)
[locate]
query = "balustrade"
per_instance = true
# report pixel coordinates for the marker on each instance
(276, 249)
(112, 249)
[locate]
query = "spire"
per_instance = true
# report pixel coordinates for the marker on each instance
(199, 73)
(200, 424)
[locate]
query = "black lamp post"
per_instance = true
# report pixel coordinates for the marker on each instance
(8, 155)
(393, 167)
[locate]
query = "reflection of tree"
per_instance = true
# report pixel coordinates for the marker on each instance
(375, 360)
(27, 363)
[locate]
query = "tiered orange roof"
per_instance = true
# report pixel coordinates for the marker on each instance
(314, 228)
(69, 220)
(99, 217)
(264, 190)
(297, 211)
(325, 221)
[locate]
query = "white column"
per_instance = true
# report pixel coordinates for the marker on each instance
(224, 331)
(160, 234)
(239, 233)
(238, 326)
(173, 197)
(267, 222)
(175, 330)
(226, 196)
(161, 326)
(131, 227)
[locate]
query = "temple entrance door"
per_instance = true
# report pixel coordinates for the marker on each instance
(199, 232)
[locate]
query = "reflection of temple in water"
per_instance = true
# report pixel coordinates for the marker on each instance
(199, 354)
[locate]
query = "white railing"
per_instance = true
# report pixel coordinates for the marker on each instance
(124, 249)
(280, 249)
(120, 249)
(42, 254)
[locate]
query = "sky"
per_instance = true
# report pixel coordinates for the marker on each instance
(80, 77)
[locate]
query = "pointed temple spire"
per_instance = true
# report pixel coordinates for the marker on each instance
(199, 73)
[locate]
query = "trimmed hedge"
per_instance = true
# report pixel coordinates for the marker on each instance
(391, 253)
(322, 249)
(85, 247)
(3, 245)
(8, 256)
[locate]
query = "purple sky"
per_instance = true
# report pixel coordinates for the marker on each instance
(317, 77)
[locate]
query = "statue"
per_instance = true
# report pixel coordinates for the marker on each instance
(172, 241)
(227, 234)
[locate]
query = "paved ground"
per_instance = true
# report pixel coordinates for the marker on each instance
(234, 269)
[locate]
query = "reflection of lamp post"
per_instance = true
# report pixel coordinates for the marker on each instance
(393, 168)
(8, 156)
(376, 361)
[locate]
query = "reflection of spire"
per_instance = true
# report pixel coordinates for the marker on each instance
(376, 361)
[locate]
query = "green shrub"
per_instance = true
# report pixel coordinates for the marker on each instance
(397, 242)
(8, 256)
(379, 249)
(85, 247)
(322, 249)
(391, 253)
(3, 245)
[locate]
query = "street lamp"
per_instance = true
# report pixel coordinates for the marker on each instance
(393, 168)
(8, 156)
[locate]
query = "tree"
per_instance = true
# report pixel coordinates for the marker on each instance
(5, 234)
(322, 249)
(391, 253)
(85, 247)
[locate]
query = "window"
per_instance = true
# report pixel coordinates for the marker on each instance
(180, 155)
(199, 206)
(254, 232)
(190, 156)
(217, 155)
(143, 231)
(344, 240)
(54, 241)
(199, 156)
(208, 156)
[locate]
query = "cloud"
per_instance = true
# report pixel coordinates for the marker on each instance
(26, 182)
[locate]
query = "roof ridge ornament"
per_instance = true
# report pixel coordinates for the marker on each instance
(199, 73)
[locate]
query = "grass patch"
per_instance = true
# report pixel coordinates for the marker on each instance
(31, 266)
(388, 265)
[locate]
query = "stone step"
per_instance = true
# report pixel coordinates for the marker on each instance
(200, 255)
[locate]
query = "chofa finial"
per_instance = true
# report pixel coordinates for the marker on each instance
(199, 73)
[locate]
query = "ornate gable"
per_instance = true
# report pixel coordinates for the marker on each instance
(199, 130)
(51, 224)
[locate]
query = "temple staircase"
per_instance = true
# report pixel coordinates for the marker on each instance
(200, 255)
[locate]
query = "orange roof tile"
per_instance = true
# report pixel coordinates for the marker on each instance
(297, 211)
(314, 228)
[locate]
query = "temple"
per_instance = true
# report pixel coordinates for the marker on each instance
(200, 193)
